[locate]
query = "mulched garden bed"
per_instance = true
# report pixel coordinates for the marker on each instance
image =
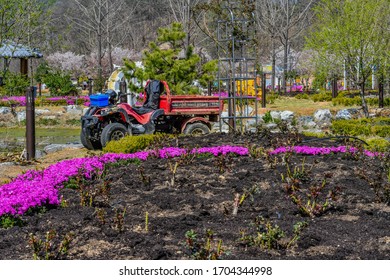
(289, 206)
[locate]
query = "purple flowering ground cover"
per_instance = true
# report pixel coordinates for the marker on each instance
(252, 196)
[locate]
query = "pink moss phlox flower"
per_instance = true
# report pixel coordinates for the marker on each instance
(307, 150)
(35, 188)
(242, 151)
(170, 152)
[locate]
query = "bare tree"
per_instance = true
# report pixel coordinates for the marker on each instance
(267, 19)
(183, 12)
(284, 20)
(99, 22)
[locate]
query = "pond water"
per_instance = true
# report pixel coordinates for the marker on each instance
(13, 139)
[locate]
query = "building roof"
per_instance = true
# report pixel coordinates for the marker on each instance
(11, 49)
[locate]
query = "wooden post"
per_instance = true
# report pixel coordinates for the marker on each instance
(30, 123)
(24, 66)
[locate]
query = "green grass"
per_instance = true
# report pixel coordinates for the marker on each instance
(303, 107)
(16, 132)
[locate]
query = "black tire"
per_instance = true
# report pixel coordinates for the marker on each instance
(113, 131)
(197, 128)
(90, 145)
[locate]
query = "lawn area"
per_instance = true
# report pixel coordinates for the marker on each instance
(302, 107)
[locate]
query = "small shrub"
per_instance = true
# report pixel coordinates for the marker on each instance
(267, 117)
(271, 97)
(267, 235)
(47, 122)
(378, 144)
(52, 247)
(8, 221)
(204, 248)
(16, 84)
(59, 83)
(375, 127)
(73, 122)
(302, 96)
(321, 97)
(131, 144)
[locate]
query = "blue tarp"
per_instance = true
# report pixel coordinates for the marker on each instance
(13, 50)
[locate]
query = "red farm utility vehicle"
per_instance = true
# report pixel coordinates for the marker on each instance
(107, 119)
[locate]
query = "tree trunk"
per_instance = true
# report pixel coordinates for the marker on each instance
(364, 104)
(273, 65)
(109, 44)
(285, 65)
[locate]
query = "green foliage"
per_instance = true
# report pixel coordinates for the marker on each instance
(271, 97)
(42, 101)
(174, 63)
(15, 84)
(357, 101)
(131, 144)
(321, 97)
(302, 96)
(378, 144)
(350, 33)
(43, 69)
(51, 247)
(8, 221)
(47, 122)
(267, 235)
(59, 83)
(368, 127)
(98, 84)
(73, 122)
(203, 248)
(267, 118)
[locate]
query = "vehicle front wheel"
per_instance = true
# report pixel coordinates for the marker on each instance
(196, 129)
(113, 131)
(89, 144)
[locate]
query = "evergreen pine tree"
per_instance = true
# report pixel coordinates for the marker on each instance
(168, 60)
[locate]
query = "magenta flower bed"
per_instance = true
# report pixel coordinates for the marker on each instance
(70, 100)
(36, 188)
(307, 150)
(18, 100)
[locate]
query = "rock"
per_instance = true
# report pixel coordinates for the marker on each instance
(224, 114)
(271, 126)
(85, 110)
(50, 117)
(323, 116)
(343, 115)
(38, 154)
(275, 115)
(7, 163)
(251, 123)
(39, 112)
(287, 116)
(21, 116)
(247, 111)
(306, 122)
(59, 147)
(5, 110)
(74, 109)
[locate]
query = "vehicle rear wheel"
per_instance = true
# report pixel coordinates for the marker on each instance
(196, 129)
(89, 144)
(113, 131)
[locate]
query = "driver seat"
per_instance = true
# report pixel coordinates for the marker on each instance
(153, 90)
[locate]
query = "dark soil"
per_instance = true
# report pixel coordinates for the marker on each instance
(355, 224)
